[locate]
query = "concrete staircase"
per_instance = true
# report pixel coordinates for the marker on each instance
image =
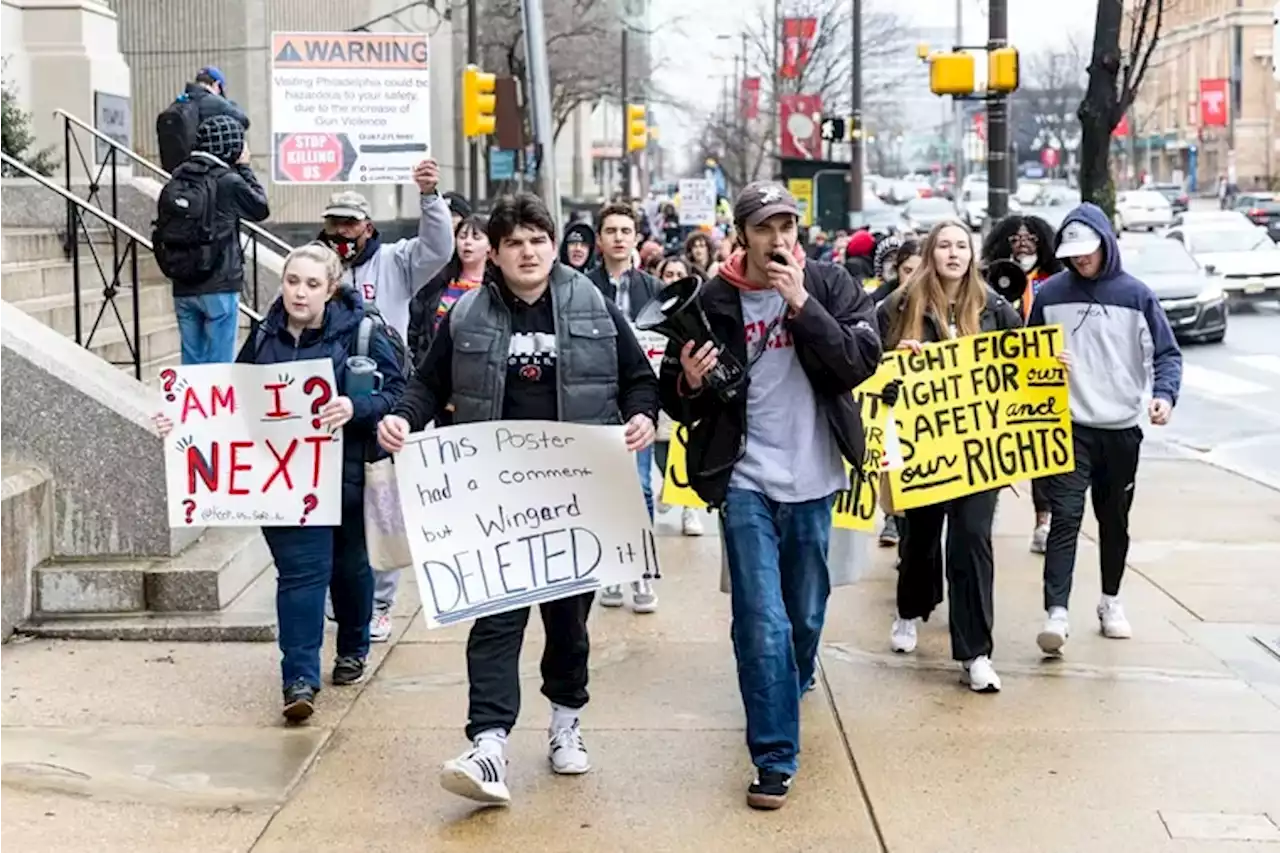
(87, 552)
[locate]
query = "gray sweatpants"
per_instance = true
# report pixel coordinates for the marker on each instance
(385, 586)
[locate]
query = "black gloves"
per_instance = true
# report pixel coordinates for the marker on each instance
(890, 392)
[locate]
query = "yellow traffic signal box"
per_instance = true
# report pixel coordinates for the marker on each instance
(478, 102)
(637, 128)
(1002, 69)
(951, 73)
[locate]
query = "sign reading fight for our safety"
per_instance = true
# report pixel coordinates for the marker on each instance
(247, 447)
(981, 412)
(506, 514)
(349, 108)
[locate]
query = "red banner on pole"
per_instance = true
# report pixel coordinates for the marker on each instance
(749, 100)
(1213, 102)
(1122, 129)
(797, 38)
(801, 126)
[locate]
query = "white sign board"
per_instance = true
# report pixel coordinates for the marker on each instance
(697, 201)
(505, 514)
(349, 108)
(247, 448)
(654, 346)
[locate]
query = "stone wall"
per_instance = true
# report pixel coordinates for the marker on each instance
(89, 425)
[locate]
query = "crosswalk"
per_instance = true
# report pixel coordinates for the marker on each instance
(1234, 376)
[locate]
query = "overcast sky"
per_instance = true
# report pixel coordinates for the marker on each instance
(694, 61)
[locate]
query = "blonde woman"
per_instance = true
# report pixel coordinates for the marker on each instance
(315, 317)
(946, 298)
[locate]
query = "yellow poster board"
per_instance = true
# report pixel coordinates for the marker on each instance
(855, 507)
(802, 190)
(979, 413)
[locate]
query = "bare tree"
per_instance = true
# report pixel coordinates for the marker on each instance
(826, 72)
(1115, 75)
(1053, 86)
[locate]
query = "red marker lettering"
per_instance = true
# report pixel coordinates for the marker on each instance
(191, 401)
(205, 469)
(282, 465)
(227, 399)
(236, 447)
(316, 441)
(277, 409)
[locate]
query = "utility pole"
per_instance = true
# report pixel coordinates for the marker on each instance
(543, 129)
(624, 158)
(742, 93)
(998, 122)
(473, 145)
(855, 132)
(775, 108)
(957, 108)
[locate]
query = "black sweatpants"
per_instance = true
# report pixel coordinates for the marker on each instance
(1040, 494)
(1107, 463)
(968, 564)
(493, 661)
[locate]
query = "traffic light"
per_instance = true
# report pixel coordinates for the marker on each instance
(478, 102)
(1002, 69)
(951, 73)
(637, 129)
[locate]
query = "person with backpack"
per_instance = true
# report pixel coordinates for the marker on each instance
(178, 124)
(388, 276)
(196, 238)
(315, 317)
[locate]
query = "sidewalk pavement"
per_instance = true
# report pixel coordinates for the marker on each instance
(1167, 742)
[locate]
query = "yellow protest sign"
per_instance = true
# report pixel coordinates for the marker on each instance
(981, 412)
(855, 507)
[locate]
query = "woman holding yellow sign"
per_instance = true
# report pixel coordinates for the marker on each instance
(946, 298)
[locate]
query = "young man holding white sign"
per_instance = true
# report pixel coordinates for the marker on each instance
(769, 455)
(536, 342)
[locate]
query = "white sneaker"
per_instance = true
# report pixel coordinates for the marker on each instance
(1040, 539)
(1111, 618)
(643, 598)
(663, 509)
(380, 626)
(566, 751)
(902, 637)
(1053, 636)
(690, 524)
(611, 596)
(981, 675)
(479, 775)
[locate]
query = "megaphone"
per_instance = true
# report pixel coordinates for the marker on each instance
(676, 313)
(1006, 278)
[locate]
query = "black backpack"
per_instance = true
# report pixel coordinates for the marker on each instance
(185, 240)
(176, 129)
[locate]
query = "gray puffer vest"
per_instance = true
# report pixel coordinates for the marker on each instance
(586, 359)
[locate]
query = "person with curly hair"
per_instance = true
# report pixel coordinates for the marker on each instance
(1028, 242)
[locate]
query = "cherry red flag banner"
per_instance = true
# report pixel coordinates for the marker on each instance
(1213, 102)
(797, 41)
(801, 117)
(750, 98)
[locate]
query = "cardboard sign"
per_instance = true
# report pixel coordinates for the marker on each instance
(349, 108)
(979, 413)
(247, 448)
(654, 346)
(697, 201)
(505, 514)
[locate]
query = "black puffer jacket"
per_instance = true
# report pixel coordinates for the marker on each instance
(836, 343)
(212, 104)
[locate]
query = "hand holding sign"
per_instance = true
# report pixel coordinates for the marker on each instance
(392, 431)
(640, 433)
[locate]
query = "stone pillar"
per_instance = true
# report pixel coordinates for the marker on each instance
(69, 50)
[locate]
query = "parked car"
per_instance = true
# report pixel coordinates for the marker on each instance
(1216, 218)
(1195, 305)
(1245, 260)
(875, 216)
(1146, 209)
(972, 205)
(1174, 194)
(1262, 209)
(921, 214)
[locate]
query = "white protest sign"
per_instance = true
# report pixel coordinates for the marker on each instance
(654, 346)
(349, 108)
(505, 514)
(697, 201)
(247, 448)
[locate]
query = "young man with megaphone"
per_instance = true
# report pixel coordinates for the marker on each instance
(765, 442)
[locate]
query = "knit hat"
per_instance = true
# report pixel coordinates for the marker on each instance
(458, 204)
(861, 244)
(222, 136)
(888, 246)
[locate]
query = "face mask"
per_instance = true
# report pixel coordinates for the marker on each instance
(1027, 262)
(345, 248)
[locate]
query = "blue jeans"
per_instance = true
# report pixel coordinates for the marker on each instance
(208, 325)
(310, 560)
(777, 555)
(644, 465)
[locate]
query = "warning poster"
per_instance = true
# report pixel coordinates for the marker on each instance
(349, 108)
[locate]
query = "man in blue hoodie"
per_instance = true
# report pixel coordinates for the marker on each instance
(1119, 343)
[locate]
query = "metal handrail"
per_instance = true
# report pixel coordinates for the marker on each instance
(98, 212)
(143, 161)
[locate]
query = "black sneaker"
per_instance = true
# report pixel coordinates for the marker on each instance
(348, 670)
(299, 701)
(769, 790)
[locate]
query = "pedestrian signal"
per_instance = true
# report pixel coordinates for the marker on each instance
(478, 102)
(1002, 69)
(637, 127)
(951, 73)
